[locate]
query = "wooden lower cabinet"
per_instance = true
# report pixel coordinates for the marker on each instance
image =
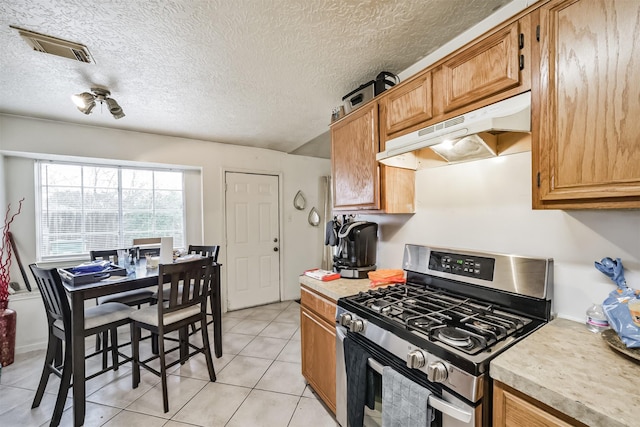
(512, 408)
(318, 340)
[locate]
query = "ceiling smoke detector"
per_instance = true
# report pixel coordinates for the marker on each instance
(85, 102)
(55, 46)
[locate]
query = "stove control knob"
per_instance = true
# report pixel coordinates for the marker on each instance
(416, 359)
(345, 319)
(437, 372)
(357, 325)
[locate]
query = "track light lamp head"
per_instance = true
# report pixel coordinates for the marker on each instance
(114, 108)
(86, 101)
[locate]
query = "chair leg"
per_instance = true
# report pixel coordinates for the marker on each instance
(105, 349)
(65, 383)
(135, 355)
(183, 340)
(114, 348)
(163, 374)
(207, 349)
(58, 355)
(49, 360)
(154, 343)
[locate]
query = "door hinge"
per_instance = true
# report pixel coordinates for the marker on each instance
(538, 179)
(521, 43)
(522, 62)
(538, 32)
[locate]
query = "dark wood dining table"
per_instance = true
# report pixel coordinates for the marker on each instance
(140, 278)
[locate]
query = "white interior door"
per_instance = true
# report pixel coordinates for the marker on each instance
(253, 240)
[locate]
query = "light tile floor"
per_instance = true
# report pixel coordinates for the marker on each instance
(259, 383)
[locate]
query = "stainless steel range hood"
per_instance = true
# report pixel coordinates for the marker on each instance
(462, 138)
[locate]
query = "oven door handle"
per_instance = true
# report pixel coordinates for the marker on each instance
(435, 402)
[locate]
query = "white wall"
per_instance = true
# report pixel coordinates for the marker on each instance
(486, 205)
(301, 243)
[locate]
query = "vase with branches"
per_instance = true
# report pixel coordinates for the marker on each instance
(7, 316)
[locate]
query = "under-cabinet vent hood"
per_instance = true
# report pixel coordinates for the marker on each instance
(462, 138)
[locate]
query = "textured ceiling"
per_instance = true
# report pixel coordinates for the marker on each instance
(262, 73)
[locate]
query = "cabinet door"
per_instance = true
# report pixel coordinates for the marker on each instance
(484, 69)
(354, 144)
(318, 340)
(407, 105)
(587, 149)
(514, 409)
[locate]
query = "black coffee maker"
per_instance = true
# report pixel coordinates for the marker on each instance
(356, 249)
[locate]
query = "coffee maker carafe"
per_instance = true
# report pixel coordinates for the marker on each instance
(356, 250)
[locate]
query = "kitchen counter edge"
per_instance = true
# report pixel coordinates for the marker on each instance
(574, 371)
(334, 289)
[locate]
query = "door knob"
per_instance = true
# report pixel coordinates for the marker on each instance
(275, 249)
(275, 240)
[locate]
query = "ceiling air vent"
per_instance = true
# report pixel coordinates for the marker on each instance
(55, 46)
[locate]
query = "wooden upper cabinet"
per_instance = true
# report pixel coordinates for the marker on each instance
(406, 106)
(486, 68)
(586, 134)
(359, 182)
(354, 144)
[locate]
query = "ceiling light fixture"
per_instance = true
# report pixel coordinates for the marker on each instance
(85, 102)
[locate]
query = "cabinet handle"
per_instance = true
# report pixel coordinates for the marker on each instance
(522, 62)
(521, 43)
(538, 32)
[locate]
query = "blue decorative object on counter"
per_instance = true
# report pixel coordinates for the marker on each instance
(91, 267)
(616, 305)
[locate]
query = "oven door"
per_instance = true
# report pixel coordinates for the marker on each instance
(449, 410)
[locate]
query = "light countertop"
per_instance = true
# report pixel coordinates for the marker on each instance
(574, 371)
(334, 289)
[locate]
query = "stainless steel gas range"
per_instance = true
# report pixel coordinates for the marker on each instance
(440, 330)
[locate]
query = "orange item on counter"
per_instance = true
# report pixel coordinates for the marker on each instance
(386, 277)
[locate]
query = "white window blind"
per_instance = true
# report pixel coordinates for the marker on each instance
(84, 207)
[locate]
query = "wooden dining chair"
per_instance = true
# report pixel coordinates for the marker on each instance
(101, 319)
(204, 251)
(133, 298)
(207, 251)
(188, 286)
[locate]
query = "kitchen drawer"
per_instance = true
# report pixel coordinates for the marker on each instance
(323, 307)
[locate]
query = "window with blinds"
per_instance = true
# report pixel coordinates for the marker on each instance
(84, 207)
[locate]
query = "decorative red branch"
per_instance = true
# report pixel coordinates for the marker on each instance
(5, 252)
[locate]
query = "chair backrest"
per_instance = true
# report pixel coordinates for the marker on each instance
(53, 295)
(146, 241)
(206, 251)
(103, 254)
(188, 281)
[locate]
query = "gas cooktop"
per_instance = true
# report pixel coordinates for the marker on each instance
(458, 305)
(464, 323)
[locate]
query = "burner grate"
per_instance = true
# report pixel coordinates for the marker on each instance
(439, 315)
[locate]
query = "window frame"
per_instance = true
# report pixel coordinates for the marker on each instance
(120, 168)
